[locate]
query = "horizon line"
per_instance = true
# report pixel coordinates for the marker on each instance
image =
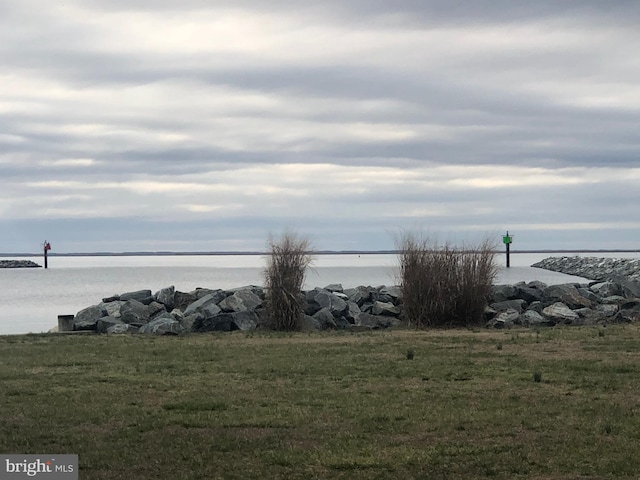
(316, 252)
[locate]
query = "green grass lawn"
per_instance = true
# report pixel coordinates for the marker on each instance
(554, 404)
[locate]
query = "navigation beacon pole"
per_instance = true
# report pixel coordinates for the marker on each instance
(507, 240)
(47, 247)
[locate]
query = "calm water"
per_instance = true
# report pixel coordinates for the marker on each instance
(32, 299)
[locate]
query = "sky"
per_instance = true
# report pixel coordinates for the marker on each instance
(192, 125)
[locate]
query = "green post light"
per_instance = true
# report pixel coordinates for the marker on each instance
(507, 240)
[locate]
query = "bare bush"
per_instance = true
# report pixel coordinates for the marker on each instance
(445, 286)
(289, 257)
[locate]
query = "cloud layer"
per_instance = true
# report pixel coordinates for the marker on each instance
(171, 125)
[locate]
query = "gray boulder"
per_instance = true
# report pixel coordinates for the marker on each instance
(560, 313)
(567, 294)
(608, 310)
(335, 304)
(245, 320)
(502, 293)
(386, 309)
(614, 300)
(122, 328)
(188, 321)
(531, 318)
(112, 308)
(163, 325)
(103, 324)
(361, 295)
(155, 309)
(223, 322)
(241, 301)
(134, 313)
(606, 289)
(165, 297)
(352, 312)
(217, 294)
(334, 287)
(394, 293)
(142, 296)
(630, 289)
(87, 318)
(325, 318)
(205, 305)
(182, 300)
(529, 294)
(177, 315)
(505, 319)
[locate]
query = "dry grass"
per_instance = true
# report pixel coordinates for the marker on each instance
(289, 257)
(443, 285)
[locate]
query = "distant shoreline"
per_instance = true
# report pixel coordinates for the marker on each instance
(322, 252)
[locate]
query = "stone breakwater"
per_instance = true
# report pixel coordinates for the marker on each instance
(593, 268)
(168, 311)
(171, 312)
(18, 264)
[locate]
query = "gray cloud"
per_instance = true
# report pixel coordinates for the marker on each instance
(145, 125)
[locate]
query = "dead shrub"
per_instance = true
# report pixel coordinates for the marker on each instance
(443, 285)
(287, 262)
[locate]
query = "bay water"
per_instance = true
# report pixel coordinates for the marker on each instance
(32, 298)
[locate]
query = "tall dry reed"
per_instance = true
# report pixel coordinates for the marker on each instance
(443, 285)
(287, 262)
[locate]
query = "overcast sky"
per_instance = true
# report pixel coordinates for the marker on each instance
(206, 125)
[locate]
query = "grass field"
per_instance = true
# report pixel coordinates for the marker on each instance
(555, 404)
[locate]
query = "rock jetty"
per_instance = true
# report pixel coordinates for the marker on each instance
(18, 264)
(171, 312)
(593, 268)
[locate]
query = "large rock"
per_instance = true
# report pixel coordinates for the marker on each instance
(505, 319)
(334, 287)
(241, 301)
(325, 319)
(166, 297)
(352, 312)
(217, 294)
(502, 293)
(205, 305)
(334, 303)
(112, 308)
(361, 295)
(134, 313)
(386, 309)
(122, 328)
(560, 313)
(182, 300)
(567, 294)
(87, 318)
(246, 320)
(103, 324)
(163, 325)
(143, 296)
(155, 309)
(606, 289)
(531, 318)
(227, 322)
